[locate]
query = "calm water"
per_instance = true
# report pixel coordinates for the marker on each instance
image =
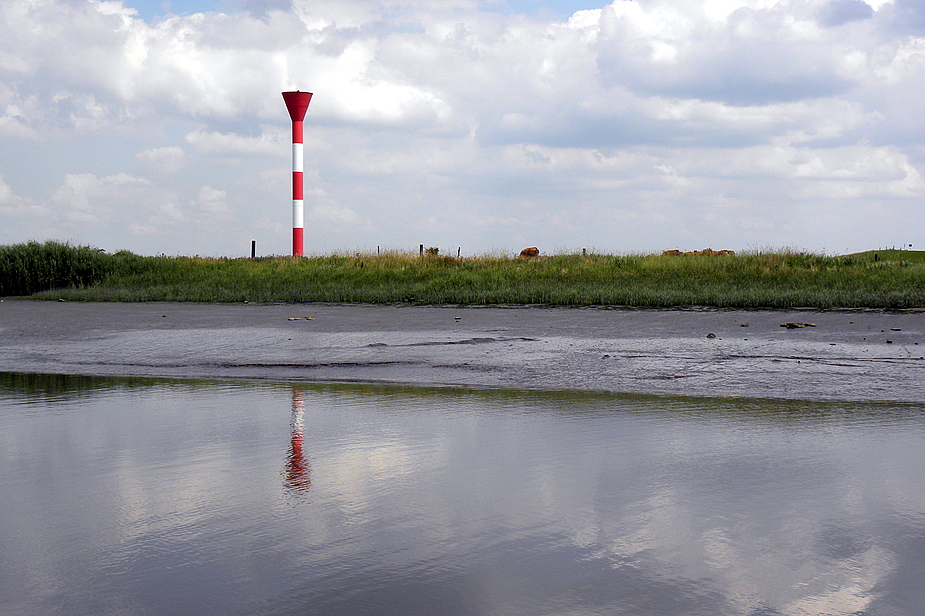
(169, 497)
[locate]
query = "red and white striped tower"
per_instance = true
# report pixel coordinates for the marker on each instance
(297, 103)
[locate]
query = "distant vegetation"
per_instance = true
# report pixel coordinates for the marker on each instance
(784, 279)
(28, 268)
(905, 256)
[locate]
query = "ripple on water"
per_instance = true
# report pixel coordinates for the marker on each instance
(152, 496)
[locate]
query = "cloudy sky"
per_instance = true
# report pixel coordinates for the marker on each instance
(485, 125)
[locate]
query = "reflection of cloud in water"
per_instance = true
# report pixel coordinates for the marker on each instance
(367, 472)
(846, 587)
(754, 525)
(298, 473)
(772, 563)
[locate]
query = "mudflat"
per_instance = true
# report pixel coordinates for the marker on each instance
(841, 355)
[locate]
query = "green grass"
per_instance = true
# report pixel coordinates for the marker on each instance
(782, 279)
(29, 268)
(905, 256)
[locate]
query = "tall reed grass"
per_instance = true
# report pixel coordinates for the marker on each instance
(28, 268)
(756, 280)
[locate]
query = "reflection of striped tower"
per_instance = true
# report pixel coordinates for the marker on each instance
(297, 104)
(298, 474)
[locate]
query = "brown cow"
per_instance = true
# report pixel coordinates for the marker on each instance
(706, 252)
(671, 253)
(528, 253)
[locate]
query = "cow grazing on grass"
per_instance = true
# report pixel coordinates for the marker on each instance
(529, 253)
(706, 252)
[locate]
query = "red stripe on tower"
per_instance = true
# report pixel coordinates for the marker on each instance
(297, 104)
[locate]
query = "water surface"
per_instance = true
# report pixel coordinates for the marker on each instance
(147, 496)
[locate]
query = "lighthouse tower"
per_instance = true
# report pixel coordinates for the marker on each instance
(297, 104)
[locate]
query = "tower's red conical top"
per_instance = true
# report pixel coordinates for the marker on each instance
(297, 104)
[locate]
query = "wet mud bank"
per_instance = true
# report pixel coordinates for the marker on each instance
(849, 355)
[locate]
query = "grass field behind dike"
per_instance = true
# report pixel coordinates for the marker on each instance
(767, 279)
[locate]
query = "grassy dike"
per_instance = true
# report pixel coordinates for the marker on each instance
(756, 280)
